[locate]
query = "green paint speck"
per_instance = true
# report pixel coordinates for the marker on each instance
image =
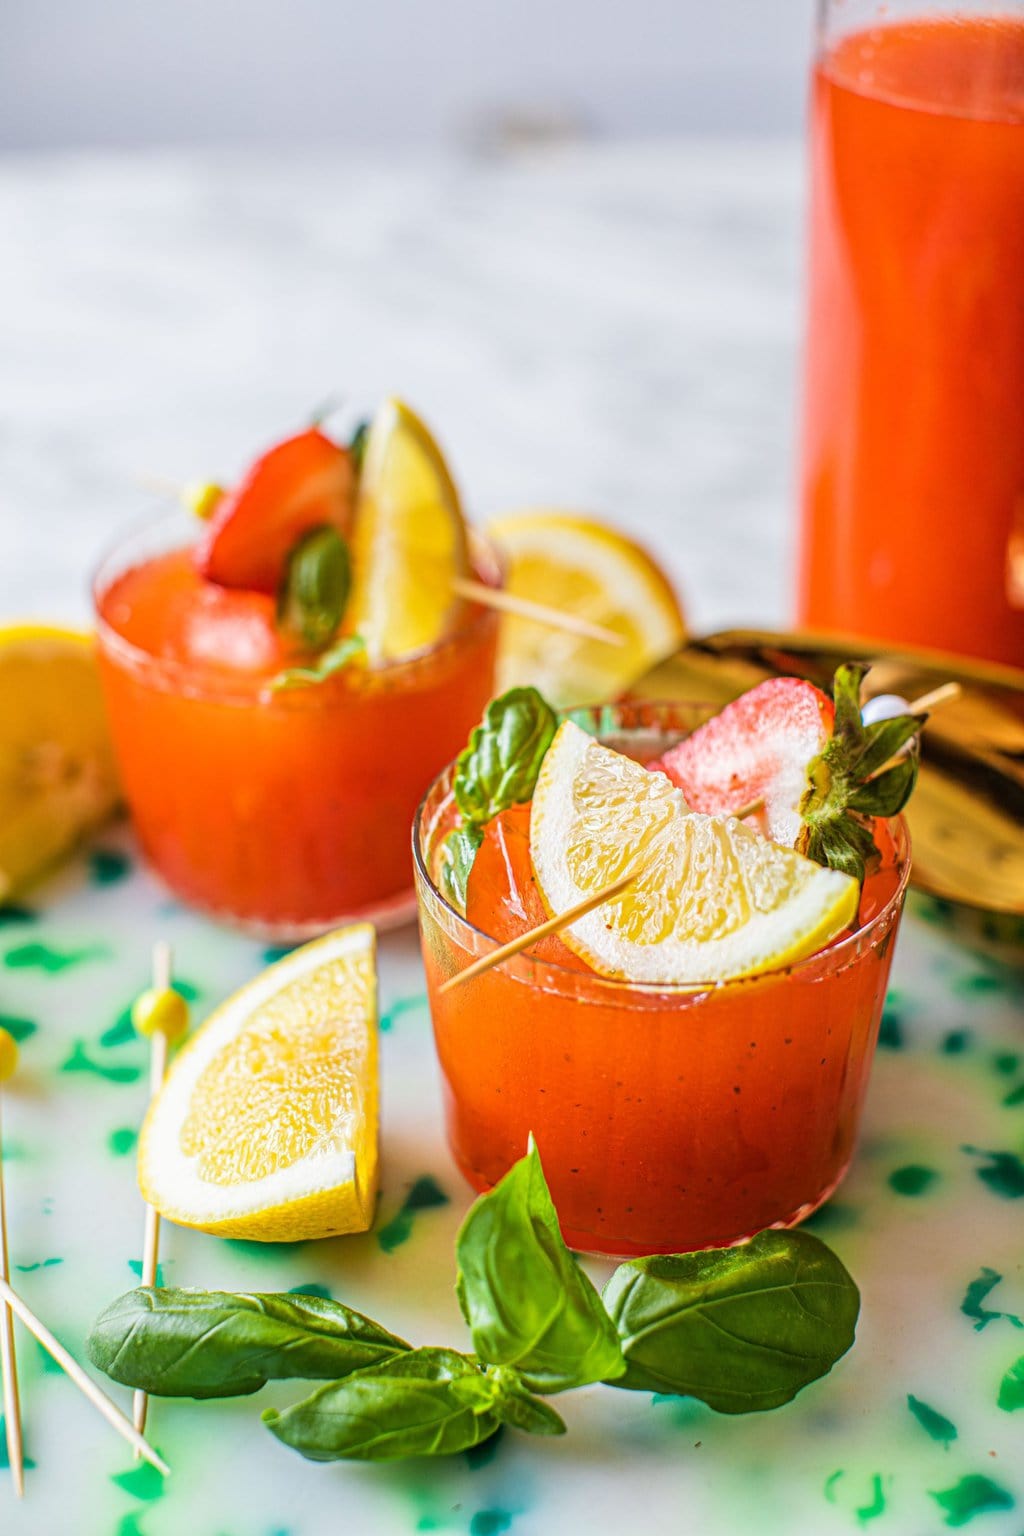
(876, 1505)
(80, 1061)
(404, 1005)
(482, 1455)
(13, 913)
(913, 1179)
(1011, 1388)
(1006, 1063)
(833, 1216)
(976, 1294)
(971, 1496)
(129, 1526)
(1003, 1175)
(1014, 1097)
(425, 1194)
(255, 1250)
(978, 984)
(830, 1485)
(108, 865)
(19, 1029)
(276, 952)
(122, 1140)
(4, 1459)
(890, 1032)
(28, 1269)
(312, 1288)
(123, 1030)
(142, 1482)
(934, 1423)
(44, 957)
(956, 1042)
(490, 1522)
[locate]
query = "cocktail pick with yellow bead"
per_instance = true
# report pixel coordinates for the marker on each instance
(160, 1015)
(8, 1360)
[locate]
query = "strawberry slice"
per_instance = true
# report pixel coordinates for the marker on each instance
(300, 484)
(759, 748)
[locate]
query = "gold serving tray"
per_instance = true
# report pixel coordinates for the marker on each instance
(967, 814)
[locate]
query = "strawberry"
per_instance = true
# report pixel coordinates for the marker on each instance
(810, 759)
(758, 748)
(300, 484)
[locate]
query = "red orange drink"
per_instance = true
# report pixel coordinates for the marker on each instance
(669, 1117)
(913, 450)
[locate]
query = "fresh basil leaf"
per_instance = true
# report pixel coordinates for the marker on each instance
(519, 1407)
(500, 765)
(428, 1402)
(458, 851)
(315, 589)
(184, 1343)
(743, 1329)
(343, 654)
(887, 793)
(527, 1302)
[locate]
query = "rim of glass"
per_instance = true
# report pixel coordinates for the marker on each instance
(485, 557)
(834, 957)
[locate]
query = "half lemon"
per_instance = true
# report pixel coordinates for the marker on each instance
(712, 899)
(57, 775)
(266, 1126)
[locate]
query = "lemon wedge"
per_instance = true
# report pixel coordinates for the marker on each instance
(266, 1125)
(712, 899)
(582, 567)
(57, 774)
(409, 542)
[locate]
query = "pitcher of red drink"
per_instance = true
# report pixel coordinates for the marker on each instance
(912, 483)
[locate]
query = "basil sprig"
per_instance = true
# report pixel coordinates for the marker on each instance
(497, 769)
(347, 650)
(527, 1302)
(315, 588)
(182, 1343)
(743, 1329)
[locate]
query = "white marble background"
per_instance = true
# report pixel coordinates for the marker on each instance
(611, 327)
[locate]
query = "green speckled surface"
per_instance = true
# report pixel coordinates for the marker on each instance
(918, 1431)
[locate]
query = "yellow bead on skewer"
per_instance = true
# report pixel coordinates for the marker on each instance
(160, 1015)
(8, 1360)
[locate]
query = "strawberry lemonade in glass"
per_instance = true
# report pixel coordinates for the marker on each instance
(692, 1056)
(281, 687)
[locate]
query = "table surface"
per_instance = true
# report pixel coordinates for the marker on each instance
(611, 327)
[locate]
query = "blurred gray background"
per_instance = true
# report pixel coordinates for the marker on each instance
(394, 72)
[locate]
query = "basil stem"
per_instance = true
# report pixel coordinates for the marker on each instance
(315, 589)
(743, 1329)
(339, 656)
(527, 1302)
(428, 1402)
(184, 1343)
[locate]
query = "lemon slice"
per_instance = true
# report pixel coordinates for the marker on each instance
(583, 567)
(712, 898)
(266, 1126)
(57, 774)
(409, 541)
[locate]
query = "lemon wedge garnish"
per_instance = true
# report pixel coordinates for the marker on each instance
(582, 567)
(266, 1125)
(712, 899)
(409, 540)
(57, 774)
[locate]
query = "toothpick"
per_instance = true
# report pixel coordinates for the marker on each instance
(538, 613)
(8, 1358)
(553, 924)
(151, 1234)
(929, 701)
(750, 809)
(85, 1384)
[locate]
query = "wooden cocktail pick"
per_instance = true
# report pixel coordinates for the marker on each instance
(553, 924)
(160, 1015)
(85, 1384)
(8, 1358)
(538, 613)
